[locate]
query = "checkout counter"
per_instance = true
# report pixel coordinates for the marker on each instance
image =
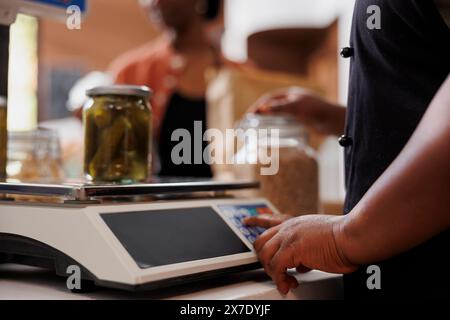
(22, 282)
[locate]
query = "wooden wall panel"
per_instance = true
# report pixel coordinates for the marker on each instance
(110, 28)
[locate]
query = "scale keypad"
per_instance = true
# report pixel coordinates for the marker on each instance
(237, 213)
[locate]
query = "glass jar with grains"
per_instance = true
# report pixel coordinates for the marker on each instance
(35, 156)
(117, 123)
(293, 184)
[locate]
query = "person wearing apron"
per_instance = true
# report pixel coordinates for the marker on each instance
(397, 154)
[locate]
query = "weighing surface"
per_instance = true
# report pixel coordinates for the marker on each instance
(158, 186)
(29, 283)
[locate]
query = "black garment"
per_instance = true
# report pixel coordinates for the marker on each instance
(395, 72)
(181, 113)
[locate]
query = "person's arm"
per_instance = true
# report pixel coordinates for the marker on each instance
(408, 205)
(307, 107)
(410, 202)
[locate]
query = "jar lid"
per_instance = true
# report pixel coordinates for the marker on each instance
(2, 102)
(41, 140)
(120, 90)
(287, 124)
(252, 120)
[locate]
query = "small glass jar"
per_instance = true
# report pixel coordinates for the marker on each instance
(117, 134)
(35, 156)
(292, 183)
(3, 138)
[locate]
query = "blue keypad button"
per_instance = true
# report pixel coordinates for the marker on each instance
(243, 212)
(254, 235)
(260, 230)
(236, 215)
(255, 232)
(244, 231)
(237, 222)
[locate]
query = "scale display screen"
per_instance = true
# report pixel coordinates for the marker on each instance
(164, 237)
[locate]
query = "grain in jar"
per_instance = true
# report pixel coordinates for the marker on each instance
(294, 187)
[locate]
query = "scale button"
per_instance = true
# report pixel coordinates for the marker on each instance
(237, 222)
(243, 212)
(245, 231)
(254, 234)
(260, 230)
(228, 213)
(264, 210)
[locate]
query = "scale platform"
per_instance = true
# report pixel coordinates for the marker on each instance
(157, 187)
(133, 237)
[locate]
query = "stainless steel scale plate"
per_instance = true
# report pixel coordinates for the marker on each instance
(81, 191)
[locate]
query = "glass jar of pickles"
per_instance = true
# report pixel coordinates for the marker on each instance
(3, 138)
(117, 134)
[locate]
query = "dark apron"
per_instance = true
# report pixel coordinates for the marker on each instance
(395, 73)
(181, 113)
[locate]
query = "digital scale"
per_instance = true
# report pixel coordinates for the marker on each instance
(133, 237)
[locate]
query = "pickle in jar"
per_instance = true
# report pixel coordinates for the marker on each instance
(108, 144)
(102, 116)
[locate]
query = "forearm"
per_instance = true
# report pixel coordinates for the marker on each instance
(410, 202)
(324, 117)
(336, 120)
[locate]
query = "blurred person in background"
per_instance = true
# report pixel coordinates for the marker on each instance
(174, 66)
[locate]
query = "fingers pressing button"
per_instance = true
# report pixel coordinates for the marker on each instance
(347, 52)
(345, 141)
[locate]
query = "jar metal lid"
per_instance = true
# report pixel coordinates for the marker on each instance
(288, 126)
(2, 102)
(268, 121)
(120, 90)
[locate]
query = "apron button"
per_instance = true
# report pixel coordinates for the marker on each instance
(345, 141)
(347, 52)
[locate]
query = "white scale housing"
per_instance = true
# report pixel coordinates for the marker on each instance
(131, 245)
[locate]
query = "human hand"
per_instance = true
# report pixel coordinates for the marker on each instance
(269, 221)
(307, 107)
(266, 220)
(306, 242)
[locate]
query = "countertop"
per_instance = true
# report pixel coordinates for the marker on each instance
(29, 283)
